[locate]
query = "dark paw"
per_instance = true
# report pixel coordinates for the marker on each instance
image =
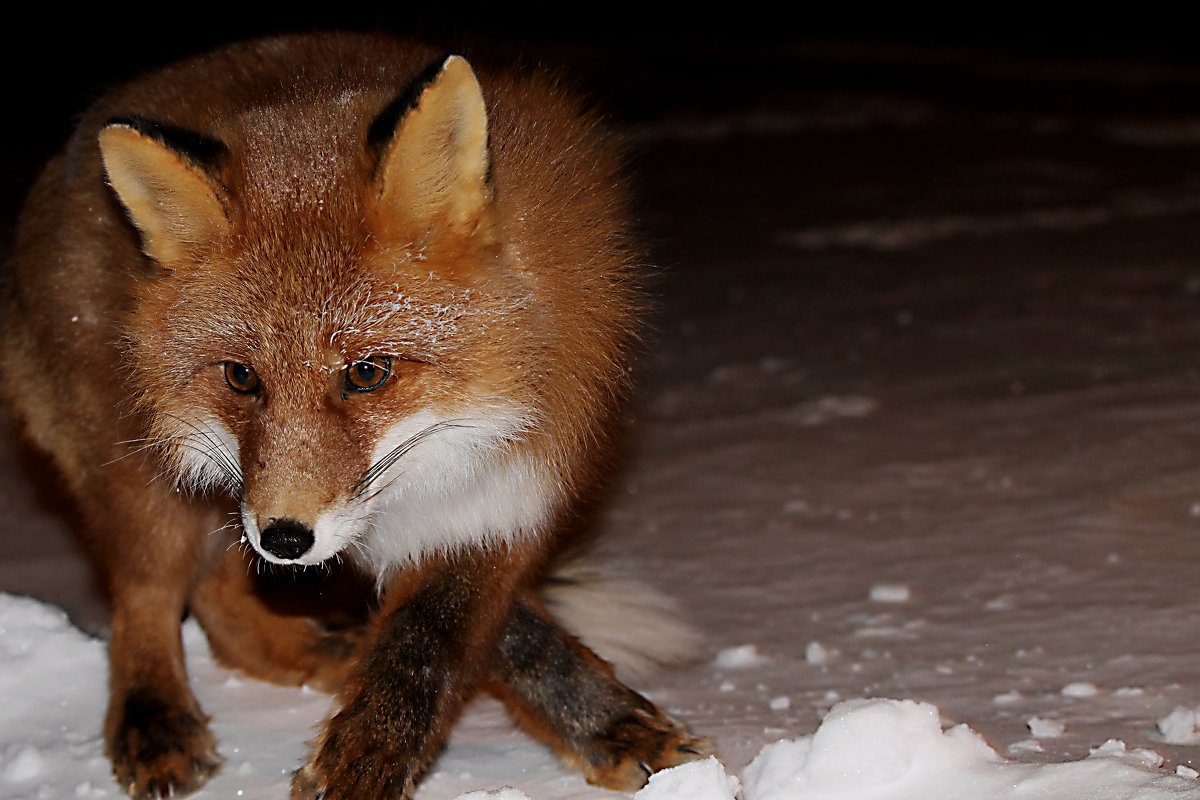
(159, 749)
(354, 759)
(367, 776)
(640, 744)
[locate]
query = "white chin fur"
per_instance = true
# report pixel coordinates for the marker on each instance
(464, 484)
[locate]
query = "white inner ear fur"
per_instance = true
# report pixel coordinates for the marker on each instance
(467, 483)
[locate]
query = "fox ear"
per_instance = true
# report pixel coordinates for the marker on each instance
(434, 162)
(156, 172)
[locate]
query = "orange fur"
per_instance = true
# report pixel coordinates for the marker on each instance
(276, 208)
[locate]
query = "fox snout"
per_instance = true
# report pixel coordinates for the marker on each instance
(298, 502)
(294, 518)
(302, 540)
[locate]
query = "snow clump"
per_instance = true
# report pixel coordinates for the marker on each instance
(1181, 726)
(890, 593)
(741, 657)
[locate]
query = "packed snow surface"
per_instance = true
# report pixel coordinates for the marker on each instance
(52, 677)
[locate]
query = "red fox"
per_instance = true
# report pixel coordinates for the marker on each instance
(343, 298)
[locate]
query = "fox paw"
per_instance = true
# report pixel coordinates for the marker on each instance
(366, 777)
(353, 760)
(158, 749)
(639, 744)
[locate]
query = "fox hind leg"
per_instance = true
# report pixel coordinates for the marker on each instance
(255, 630)
(567, 696)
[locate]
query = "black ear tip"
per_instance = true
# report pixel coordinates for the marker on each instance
(138, 123)
(384, 125)
(119, 122)
(197, 147)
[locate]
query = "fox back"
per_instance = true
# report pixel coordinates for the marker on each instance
(380, 301)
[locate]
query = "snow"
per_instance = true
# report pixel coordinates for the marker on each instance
(699, 780)
(27, 765)
(743, 656)
(503, 793)
(1181, 726)
(1115, 748)
(878, 748)
(897, 750)
(890, 593)
(951, 348)
(1080, 689)
(816, 653)
(1046, 728)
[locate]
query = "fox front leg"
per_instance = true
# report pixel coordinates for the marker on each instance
(148, 546)
(429, 645)
(567, 696)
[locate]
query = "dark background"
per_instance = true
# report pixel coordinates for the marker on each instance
(640, 67)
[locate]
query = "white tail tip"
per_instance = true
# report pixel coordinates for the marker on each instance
(630, 624)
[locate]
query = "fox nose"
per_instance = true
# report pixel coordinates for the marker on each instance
(286, 538)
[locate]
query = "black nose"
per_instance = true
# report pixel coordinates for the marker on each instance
(286, 538)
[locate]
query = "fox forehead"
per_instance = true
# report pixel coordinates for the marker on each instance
(279, 165)
(327, 320)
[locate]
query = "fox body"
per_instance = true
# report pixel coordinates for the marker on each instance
(340, 297)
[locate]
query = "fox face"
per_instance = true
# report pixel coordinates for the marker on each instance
(347, 347)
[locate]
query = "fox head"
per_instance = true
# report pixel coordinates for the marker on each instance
(338, 327)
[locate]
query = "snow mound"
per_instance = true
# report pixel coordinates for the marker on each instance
(897, 750)
(698, 780)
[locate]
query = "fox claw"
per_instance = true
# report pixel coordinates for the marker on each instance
(641, 744)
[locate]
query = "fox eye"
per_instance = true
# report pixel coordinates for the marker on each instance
(241, 378)
(369, 374)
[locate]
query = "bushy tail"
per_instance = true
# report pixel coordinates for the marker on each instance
(630, 624)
